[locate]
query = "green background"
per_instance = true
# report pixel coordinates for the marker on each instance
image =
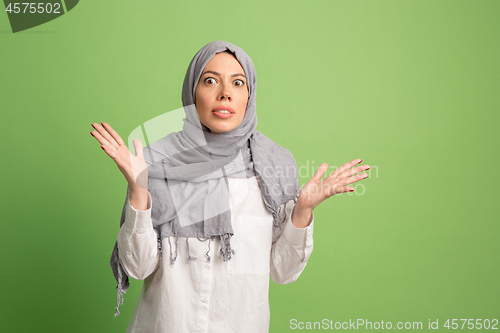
(411, 87)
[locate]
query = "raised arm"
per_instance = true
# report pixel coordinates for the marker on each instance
(137, 240)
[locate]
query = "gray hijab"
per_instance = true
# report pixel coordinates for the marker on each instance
(188, 170)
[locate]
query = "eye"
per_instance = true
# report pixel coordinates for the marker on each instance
(239, 83)
(210, 80)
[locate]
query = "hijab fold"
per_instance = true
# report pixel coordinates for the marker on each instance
(188, 171)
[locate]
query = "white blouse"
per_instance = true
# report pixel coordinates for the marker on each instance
(213, 295)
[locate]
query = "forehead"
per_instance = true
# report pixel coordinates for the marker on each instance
(224, 61)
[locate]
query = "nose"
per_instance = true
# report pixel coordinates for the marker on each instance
(224, 93)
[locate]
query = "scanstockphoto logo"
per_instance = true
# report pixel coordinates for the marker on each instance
(26, 15)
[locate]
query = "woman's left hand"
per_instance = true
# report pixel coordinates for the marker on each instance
(317, 190)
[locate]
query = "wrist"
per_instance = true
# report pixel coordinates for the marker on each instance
(301, 216)
(137, 189)
(138, 198)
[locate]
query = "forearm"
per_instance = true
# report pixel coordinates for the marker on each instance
(301, 216)
(290, 253)
(138, 197)
(137, 242)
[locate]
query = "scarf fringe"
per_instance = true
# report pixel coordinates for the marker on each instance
(119, 287)
(225, 252)
(208, 255)
(189, 256)
(277, 220)
(173, 259)
(159, 245)
(209, 240)
(225, 249)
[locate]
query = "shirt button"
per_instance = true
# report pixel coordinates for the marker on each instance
(206, 266)
(204, 300)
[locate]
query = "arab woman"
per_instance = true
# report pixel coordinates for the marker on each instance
(215, 209)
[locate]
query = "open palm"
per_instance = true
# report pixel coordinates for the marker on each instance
(316, 190)
(133, 167)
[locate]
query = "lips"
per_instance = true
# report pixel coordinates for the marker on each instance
(223, 112)
(224, 108)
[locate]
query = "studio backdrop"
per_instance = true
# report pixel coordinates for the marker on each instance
(411, 87)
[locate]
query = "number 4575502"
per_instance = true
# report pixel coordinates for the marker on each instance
(471, 324)
(33, 8)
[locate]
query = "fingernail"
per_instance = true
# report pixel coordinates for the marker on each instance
(102, 124)
(102, 147)
(368, 168)
(360, 161)
(91, 134)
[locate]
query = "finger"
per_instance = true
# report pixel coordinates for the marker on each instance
(344, 167)
(352, 179)
(340, 189)
(320, 172)
(138, 148)
(100, 138)
(113, 133)
(351, 172)
(122, 164)
(346, 189)
(110, 151)
(104, 133)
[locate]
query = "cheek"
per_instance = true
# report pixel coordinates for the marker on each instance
(243, 103)
(199, 101)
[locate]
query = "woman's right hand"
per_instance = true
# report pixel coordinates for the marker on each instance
(134, 168)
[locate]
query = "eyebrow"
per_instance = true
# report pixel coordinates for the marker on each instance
(218, 74)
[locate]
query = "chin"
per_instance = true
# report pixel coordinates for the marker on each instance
(217, 128)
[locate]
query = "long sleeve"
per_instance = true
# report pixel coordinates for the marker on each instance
(137, 242)
(291, 249)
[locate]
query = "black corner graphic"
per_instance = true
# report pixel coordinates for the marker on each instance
(23, 15)
(70, 4)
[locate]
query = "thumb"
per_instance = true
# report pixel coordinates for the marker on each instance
(138, 148)
(321, 171)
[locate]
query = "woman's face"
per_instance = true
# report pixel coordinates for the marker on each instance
(221, 94)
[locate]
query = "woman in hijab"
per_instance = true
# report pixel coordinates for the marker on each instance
(220, 195)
